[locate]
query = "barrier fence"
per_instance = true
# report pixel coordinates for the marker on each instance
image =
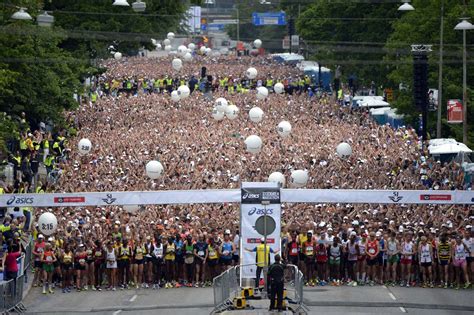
(226, 287)
(11, 292)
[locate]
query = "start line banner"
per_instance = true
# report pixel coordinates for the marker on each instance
(234, 196)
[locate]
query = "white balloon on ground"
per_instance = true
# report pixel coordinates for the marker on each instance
(279, 88)
(262, 93)
(221, 104)
(202, 49)
(170, 35)
(167, 42)
(217, 115)
(177, 64)
(131, 208)
(154, 169)
(253, 144)
(182, 50)
(184, 91)
(256, 114)
(299, 178)
(191, 46)
(232, 112)
(188, 57)
(284, 128)
(47, 223)
(167, 48)
(251, 73)
(84, 146)
(277, 177)
(118, 55)
(257, 43)
(343, 150)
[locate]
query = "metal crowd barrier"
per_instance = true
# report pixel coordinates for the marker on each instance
(226, 287)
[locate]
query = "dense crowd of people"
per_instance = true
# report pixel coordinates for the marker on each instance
(130, 119)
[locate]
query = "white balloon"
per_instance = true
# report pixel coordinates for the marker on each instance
(191, 46)
(175, 96)
(232, 112)
(167, 42)
(256, 114)
(344, 150)
(183, 91)
(188, 57)
(299, 178)
(257, 43)
(182, 50)
(154, 169)
(177, 64)
(167, 48)
(202, 49)
(158, 46)
(208, 51)
(251, 73)
(217, 115)
(47, 223)
(118, 56)
(253, 143)
(262, 93)
(170, 35)
(284, 128)
(221, 104)
(277, 177)
(131, 208)
(279, 88)
(84, 146)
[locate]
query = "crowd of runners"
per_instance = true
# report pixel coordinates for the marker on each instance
(130, 119)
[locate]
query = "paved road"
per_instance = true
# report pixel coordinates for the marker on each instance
(320, 300)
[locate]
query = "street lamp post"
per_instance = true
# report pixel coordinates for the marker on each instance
(440, 73)
(464, 26)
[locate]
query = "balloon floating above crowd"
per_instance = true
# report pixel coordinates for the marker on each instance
(232, 112)
(175, 96)
(170, 36)
(257, 43)
(262, 93)
(251, 73)
(118, 55)
(344, 150)
(279, 88)
(177, 64)
(154, 169)
(182, 50)
(299, 178)
(221, 104)
(253, 144)
(284, 128)
(191, 46)
(256, 114)
(167, 42)
(183, 91)
(217, 114)
(84, 146)
(168, 48)
(188, 57)
(47, 223)
(277, 177)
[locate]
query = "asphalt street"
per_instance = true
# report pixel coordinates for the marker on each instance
(320, 300)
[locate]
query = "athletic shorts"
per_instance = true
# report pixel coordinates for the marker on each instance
(66, 266)
(443, 262)
(394, 259)
(469, 259)
(123, 263)
(372, 262)
(426, 264)
(293, 260)
(48, 267)
(334, 261)
(148, 259)
(78, 266)
(226, 262)
(38, 264)
(212, 262)
(361, 258)
(309, 260)
(381, 261)
(406, 261)
(179, 259)
(235, 258)
(139, 261)
(459, 262)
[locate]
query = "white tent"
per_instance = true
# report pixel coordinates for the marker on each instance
(449, 148)
(441, 141)
(372, 102)
(379, 111)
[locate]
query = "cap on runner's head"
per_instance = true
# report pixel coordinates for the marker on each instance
(50, 239)
(40, 236)
(227, 232)
(355, 222)
(117, 222)
(378, 234)
(310, 232)
(353, 233)
(262, 239)
(81, 245)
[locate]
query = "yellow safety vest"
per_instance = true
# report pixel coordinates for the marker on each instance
(261, 255)
(23, 145)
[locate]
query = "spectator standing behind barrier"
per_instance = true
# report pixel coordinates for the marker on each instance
(276, 276)
(10, 265)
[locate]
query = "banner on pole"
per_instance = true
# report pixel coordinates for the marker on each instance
(454, 111)
(253, 216)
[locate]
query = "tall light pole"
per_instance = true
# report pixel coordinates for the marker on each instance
(464, 26)
(440, 73)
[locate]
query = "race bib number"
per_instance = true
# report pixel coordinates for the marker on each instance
(294, 251)
(371, 251)
(82, 261)
(201, 253)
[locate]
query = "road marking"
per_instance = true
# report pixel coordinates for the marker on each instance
(392, 296)
(403, 309)
(117, 312)
(133, 298)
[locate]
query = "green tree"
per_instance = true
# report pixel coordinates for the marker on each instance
(422, 26)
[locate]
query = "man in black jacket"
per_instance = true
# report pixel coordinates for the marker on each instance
(276, 280)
